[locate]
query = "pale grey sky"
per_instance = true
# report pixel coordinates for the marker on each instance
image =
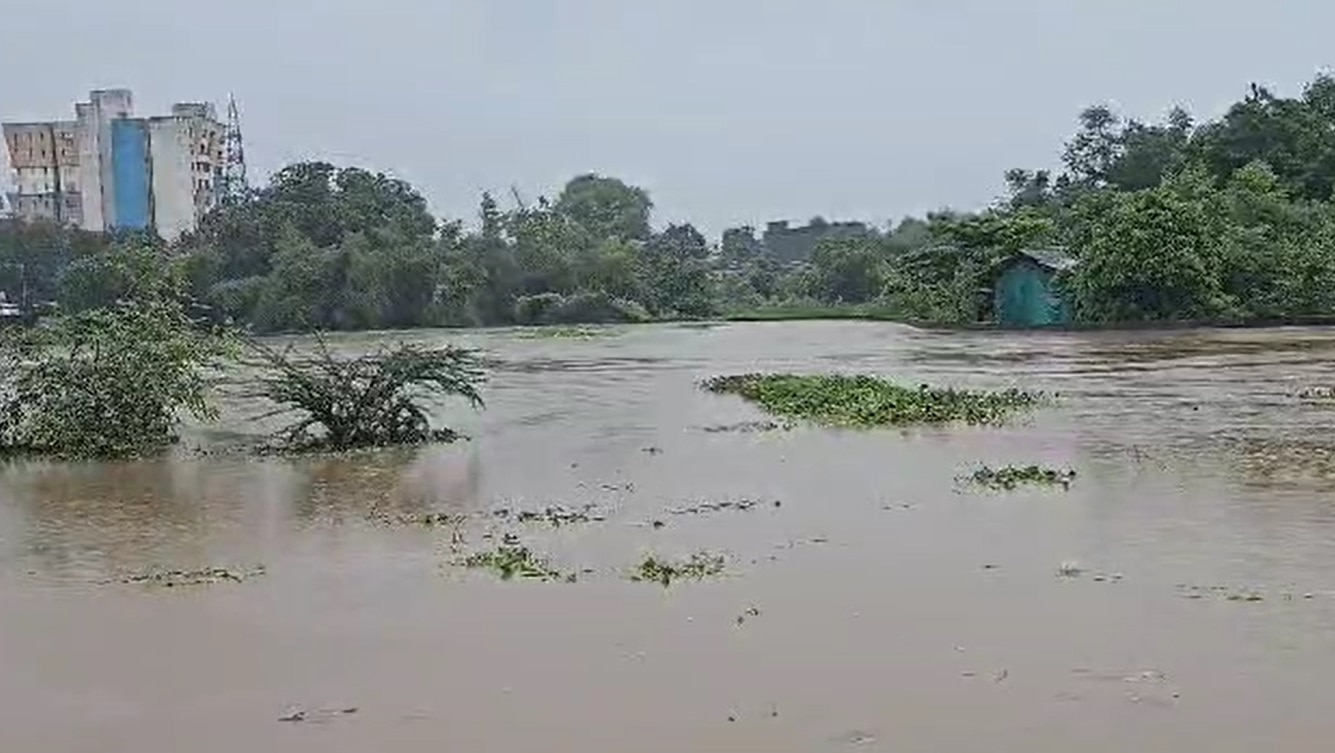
(729, 112)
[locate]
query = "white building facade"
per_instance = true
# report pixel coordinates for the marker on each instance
(110, 170)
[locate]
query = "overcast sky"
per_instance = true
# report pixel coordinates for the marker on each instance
(728, 111)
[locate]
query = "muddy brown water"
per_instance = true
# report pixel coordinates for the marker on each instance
(897, 609)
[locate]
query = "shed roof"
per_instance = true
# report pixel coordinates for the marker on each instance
(1053, 258)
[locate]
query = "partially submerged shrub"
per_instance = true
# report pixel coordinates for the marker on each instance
(699, 566)
(841, 400)
(374, 400)
(1009, 477)
(106, 382)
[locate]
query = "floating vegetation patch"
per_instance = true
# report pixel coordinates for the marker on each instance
(1234, 593)
(204, 577)
(553, 515)
(1009, 477)
(1317, 394)
(427, 520)
(511, 560)
(699, 566)
(867, 401)
(746, 427)
(742, 505)
(567, 333)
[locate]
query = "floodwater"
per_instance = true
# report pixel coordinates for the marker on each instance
(884, 604)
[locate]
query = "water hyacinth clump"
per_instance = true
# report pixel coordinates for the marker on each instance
(1012, 476)
(868, 401)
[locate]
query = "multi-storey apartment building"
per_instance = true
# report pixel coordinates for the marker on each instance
(110, 170)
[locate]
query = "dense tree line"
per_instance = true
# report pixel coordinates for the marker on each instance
(1231, 218)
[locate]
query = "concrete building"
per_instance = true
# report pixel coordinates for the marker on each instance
(110, 170)
(796, 244)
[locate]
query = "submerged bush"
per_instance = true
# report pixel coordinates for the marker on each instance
(374, 400)
(840, 400)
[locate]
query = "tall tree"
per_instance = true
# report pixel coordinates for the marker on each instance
(606, 207)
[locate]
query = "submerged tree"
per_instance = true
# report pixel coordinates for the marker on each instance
(375, 400)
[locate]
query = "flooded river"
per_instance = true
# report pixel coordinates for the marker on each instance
(880, 605)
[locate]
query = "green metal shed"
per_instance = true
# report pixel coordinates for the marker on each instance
(1023, 291)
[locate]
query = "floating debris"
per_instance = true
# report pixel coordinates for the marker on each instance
(301, 715)
(1070, 569)
(554, 515)
(746, 427)
(206, 576)
(699, 566)
(750, 612)
(1226, 593)
(742, 505)
(428, 520)
(1010, 477)
(1317, 394)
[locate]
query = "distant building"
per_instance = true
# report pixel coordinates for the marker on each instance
(1024, 295)
(109, 170)
(792, 244)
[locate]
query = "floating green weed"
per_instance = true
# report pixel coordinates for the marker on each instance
(511, 560)
(1011, 476)
(701, 565)
(866, 401)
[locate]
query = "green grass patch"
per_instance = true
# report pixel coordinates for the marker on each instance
(867, 401)
(1007, 478)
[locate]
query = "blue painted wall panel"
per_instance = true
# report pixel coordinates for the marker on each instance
(130, 176)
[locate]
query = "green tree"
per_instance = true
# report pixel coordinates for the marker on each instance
(606, 207)
(1151, 255)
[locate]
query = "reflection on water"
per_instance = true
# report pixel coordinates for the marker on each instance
(888, 609)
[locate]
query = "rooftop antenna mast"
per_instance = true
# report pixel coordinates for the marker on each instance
(234, 185)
